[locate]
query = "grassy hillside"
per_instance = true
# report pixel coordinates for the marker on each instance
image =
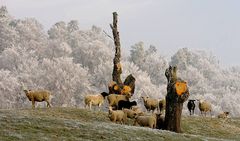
(79, 124)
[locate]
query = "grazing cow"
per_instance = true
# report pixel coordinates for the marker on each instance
(191, 106)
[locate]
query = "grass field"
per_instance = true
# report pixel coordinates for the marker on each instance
(72, 124)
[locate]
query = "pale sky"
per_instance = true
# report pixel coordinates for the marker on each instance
(212, 25)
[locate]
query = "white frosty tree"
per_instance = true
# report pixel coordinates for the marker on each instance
(150, 61)
(8, 35)
(68, 82)
(9, 87)
(143, 85)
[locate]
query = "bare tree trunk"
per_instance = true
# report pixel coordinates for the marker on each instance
(117, 68)
(177, 94)
(130, 81)
(117, 86)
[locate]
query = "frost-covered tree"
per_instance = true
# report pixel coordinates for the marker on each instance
(137, 55)
(143, 85)
(150, 61)
(68, 82)
(8, 36)
(56, 49)
(90, 48)
(17, 59)
(58, 31)
(42, 64)
(9, 88)
(102, 75)
(73, 26)
(30, 30)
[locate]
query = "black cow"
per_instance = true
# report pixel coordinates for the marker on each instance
(191, 106)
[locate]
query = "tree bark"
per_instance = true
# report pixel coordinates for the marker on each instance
(174, 100)
(113, 87)
(117, 86)
(130, 81)
(117, 69)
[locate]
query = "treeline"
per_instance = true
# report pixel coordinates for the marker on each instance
(72, 62)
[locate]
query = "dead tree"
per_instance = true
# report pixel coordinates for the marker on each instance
(117, 68)
(117, 86)
(177, 94)
(130, 81)
(127, 87)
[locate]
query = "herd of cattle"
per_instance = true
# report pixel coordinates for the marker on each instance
(121, 108)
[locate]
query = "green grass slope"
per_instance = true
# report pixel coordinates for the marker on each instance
(72, 124)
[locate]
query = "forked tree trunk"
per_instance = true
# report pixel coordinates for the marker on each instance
(177, 94)
(117, 68)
